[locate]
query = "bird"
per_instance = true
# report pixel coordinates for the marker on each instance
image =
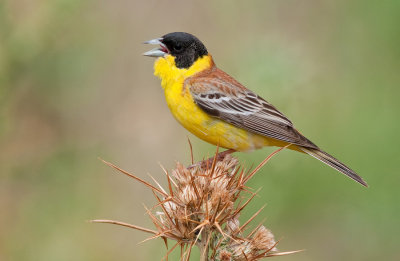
(215, 107)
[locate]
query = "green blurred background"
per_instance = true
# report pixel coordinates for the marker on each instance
(74, 87)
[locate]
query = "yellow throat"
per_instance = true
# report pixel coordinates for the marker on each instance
(166, 70)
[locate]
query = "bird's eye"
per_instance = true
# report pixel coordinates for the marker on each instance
(177, 47)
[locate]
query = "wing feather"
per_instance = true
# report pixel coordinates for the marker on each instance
(223, 97)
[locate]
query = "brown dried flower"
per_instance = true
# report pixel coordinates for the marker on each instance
(200, 208)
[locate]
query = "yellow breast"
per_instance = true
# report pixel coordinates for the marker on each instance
(193, 118)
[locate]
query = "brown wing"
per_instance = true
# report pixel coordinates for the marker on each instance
(223, 97)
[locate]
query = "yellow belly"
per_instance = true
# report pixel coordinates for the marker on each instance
(194, 119)
(206, 127)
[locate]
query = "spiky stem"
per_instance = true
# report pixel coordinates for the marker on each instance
(204, 244)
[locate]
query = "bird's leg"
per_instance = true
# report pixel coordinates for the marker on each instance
(208, 162)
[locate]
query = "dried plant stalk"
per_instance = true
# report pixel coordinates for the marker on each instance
(200, 207)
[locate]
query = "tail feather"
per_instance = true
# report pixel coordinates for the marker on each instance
(334, 163)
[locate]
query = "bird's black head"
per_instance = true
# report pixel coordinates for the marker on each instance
(186, 48)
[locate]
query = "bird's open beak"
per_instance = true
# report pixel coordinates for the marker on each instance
(156, 52)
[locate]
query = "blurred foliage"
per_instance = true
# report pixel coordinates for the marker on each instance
(74, 87)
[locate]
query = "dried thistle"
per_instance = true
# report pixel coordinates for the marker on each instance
(201, 207)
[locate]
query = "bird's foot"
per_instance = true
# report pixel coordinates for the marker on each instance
(207, 163)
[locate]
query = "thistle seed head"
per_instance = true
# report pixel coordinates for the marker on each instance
(199, 206)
